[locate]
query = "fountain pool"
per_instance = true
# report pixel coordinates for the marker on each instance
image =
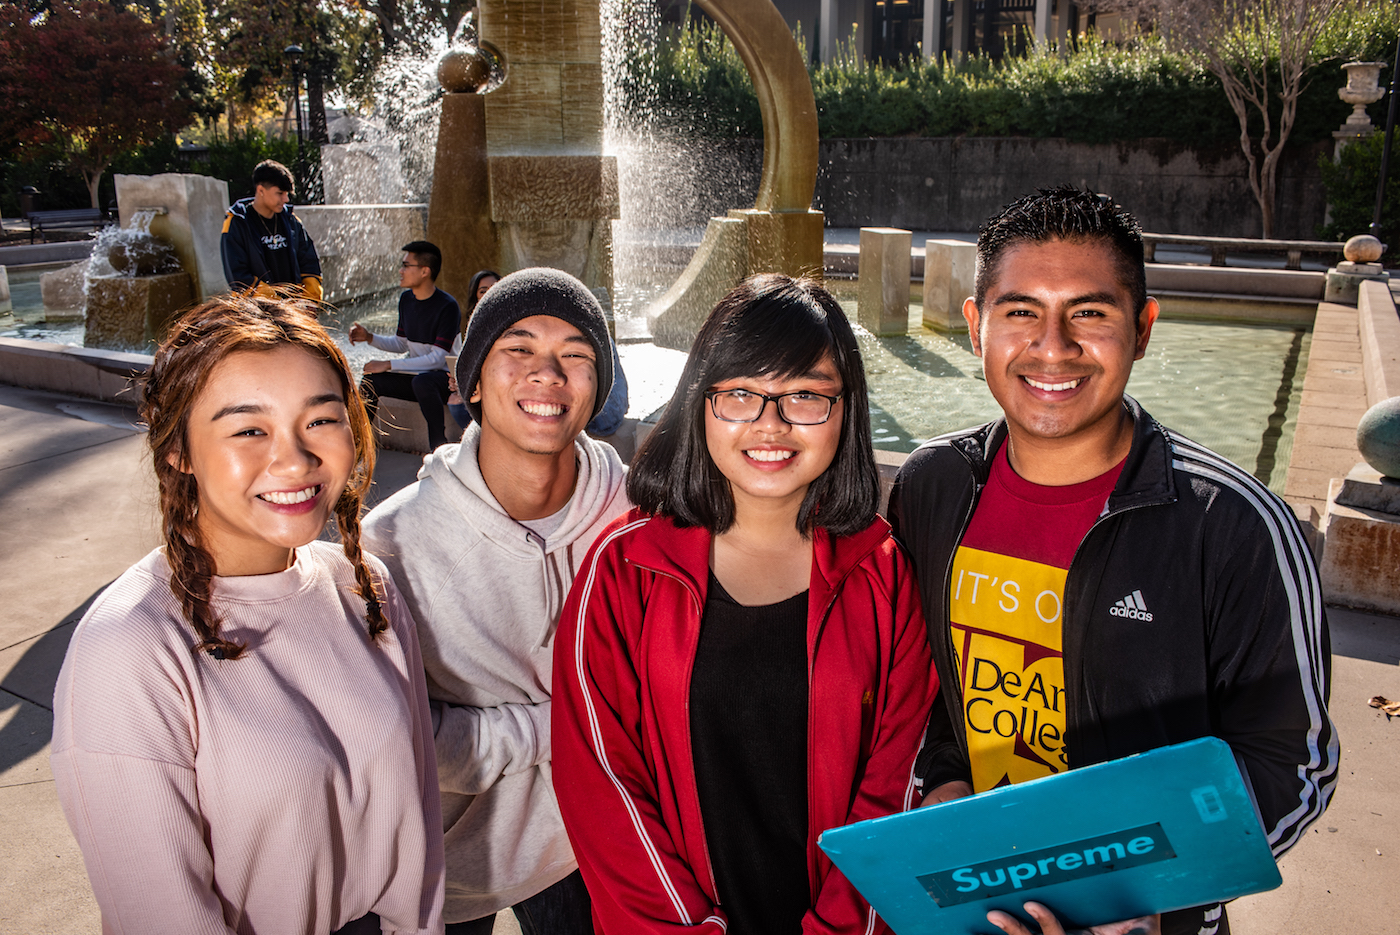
(1232, 387)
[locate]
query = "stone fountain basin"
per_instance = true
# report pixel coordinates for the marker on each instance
(130, 312)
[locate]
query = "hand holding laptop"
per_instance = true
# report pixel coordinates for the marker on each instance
(1049, 925)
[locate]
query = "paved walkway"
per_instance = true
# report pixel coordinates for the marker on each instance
(77, 506)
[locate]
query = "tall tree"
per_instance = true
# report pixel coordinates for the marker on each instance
(94, 82)
(1261, 51)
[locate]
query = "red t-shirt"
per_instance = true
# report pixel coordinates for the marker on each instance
(1004, 603)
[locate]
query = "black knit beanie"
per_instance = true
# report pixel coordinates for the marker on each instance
(538, 291)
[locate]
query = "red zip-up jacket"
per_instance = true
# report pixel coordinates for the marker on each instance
(623, 770)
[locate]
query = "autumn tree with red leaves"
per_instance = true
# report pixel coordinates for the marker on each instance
(87, 81)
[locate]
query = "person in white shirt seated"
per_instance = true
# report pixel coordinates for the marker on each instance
(429, 320)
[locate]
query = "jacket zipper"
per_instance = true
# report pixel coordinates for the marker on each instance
(812, 832)
(689, 669)
(811, 661)
(956, 687)
(1071, 714)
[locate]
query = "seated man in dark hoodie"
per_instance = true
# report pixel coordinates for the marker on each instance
(263, 244)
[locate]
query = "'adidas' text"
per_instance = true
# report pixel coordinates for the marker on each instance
(1133, 607)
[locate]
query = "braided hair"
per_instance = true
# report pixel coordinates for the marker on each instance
(197, 341)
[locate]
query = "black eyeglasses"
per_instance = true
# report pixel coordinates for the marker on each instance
(411, 266)
(804, 408)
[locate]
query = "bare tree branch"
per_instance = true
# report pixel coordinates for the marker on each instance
(1261, 52)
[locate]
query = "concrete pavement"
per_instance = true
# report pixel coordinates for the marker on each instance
(77, 506)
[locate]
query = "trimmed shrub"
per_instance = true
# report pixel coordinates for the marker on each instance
(1351, 191)
(695, 83)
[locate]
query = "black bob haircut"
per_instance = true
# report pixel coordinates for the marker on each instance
(427, 254)
(769, 325)
(271, 172)
(1064, 213)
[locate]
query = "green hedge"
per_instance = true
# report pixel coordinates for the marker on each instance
(1351, 191)
(694, 82)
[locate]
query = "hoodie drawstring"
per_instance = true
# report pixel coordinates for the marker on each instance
(554, 586)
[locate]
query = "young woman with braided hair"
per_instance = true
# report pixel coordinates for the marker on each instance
(242, 739)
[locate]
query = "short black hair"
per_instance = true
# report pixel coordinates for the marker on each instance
(1064, 213)
(426, 254)
(767, 325)
(272, 172)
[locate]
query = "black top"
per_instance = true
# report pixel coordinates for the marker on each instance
(276, 247)
(434, 320)
(748, 734)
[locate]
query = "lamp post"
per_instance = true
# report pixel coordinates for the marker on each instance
(1385, 146)
(293, 53)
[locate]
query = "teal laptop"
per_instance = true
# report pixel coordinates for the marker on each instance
(1162, 830)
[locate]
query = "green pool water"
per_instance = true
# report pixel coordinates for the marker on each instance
(1232, 387)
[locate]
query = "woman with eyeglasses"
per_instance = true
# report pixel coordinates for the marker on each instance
(742, 662)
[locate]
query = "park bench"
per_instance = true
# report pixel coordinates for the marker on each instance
(1220, 246)
(71, 218)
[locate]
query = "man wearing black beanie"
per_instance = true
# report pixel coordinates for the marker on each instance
(484, 547)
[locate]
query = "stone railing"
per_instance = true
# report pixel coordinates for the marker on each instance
(1220, 247)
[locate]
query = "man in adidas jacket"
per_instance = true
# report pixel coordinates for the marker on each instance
(484, 547)
(1094, 584)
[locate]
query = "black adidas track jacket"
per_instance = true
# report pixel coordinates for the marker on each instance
(1237, 646)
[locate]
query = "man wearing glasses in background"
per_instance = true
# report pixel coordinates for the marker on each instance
(429, 319)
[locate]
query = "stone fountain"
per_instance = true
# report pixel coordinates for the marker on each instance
(162, 257)
(520, 177)
(780, 233)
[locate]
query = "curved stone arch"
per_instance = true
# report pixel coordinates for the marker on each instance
(774, 61)
(780, 233)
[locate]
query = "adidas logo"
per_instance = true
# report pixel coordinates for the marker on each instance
(1133, 607)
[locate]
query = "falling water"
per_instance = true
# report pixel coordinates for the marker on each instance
(407, 100)
(671, 180)
(131, 251)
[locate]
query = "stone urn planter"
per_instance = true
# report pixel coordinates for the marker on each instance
(1362, 88)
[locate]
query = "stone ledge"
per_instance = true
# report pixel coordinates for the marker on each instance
(1380, 341)
(1236, 281)
(79, 371)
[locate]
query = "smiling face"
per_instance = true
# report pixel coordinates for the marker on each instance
(270, 447)
(537, 388)
(486, 283)
(1058, 333)
(770, 464)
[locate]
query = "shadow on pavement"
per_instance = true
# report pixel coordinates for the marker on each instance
(31, 679)
(1364, 636)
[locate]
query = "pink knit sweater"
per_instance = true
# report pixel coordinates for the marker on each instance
(289, 791)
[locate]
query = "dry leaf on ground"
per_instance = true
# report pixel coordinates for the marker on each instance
(1391, 708)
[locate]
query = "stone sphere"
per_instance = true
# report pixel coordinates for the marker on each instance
(464, 70)
(1363, 248)
(1378, 436)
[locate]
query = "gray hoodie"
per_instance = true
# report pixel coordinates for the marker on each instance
(487, 592)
